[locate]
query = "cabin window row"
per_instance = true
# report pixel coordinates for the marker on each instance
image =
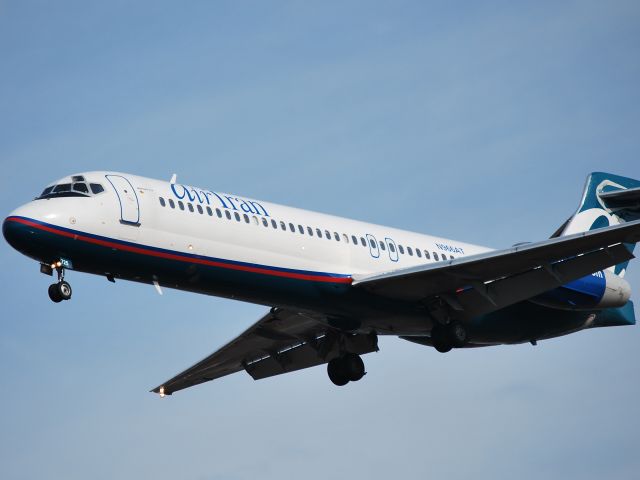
(284, 226)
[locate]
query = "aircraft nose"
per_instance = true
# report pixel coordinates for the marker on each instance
(13, 232)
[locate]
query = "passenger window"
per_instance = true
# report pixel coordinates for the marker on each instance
(372, 243)
(401, 249)
(190, 207)
(410, 251)
(345, 238)
(310, 231)
(327, 234)
(382, 246)
(199, 207)
(363, 241)
(227, 214)
(301, 229)
(181, 205)
(336, 236)
(80, 187)
(274, 224)
(426, 255)
(237, 215)
(255, 220)
(319, 232)
(283, 226)
(451, 257)
(435, 257)
(419, 253)
(354, 239)
(392, 248)
(218, 213)
(265, 222)
(172, 204)
(292, 228)
(246, 218)
(96, 188)
(209, 212)
(162, 202)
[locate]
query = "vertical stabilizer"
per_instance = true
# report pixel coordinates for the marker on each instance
(607, 200)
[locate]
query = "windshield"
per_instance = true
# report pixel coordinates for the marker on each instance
(78, 188)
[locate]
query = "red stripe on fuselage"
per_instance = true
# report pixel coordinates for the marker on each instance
(180, 258)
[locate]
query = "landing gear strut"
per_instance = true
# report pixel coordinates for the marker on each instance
(62, 290)
(346, 368)
(446, 337)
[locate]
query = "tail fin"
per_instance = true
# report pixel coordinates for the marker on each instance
(607, 200)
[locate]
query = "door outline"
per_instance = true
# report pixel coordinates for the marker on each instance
(393, 256)
(375, 252)
(130, 218)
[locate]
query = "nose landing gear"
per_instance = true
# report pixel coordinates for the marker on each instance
(62, 290)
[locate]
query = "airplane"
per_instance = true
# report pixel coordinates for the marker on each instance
(332, 285)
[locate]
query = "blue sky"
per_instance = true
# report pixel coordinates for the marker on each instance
(472, 121)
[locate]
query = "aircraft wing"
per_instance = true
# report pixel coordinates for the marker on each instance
(490, 281)
(282, 341)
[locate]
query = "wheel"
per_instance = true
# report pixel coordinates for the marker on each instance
(457, 334)
(64, 289)
(336, 372)
(353, 366)
(442, 347)
(440, 339)
(54, 294)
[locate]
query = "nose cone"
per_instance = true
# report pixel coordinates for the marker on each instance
(13, 231)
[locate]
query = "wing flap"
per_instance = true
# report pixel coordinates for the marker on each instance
(310, 354)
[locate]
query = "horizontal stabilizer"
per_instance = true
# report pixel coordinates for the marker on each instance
(627, 199)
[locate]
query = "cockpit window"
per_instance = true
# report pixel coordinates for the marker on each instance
(63, 187)
(96, 188)
(78, 188)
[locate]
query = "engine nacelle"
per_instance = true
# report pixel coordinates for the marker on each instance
(597, 291)
(617, 291)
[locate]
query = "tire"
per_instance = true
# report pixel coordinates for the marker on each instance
(353, 366)
(54, 293)
(64, 290)
(457, 334)
(335, 370)
(442, 347)
(440, 339)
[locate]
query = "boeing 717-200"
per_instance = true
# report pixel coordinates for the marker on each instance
(333, 285)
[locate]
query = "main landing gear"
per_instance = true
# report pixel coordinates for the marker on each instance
(346, 368)
(446, 337)
(62, 290)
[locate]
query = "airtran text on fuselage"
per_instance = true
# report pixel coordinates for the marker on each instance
(207, 197)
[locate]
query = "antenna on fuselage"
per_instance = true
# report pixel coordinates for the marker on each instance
(173, 178)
